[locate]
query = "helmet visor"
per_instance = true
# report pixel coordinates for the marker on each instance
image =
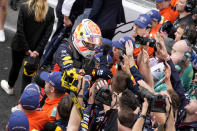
(92, 42)
(90, 46)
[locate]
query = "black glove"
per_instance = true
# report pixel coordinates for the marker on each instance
(103, 73)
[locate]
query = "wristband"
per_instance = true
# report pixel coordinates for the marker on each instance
(143, 116)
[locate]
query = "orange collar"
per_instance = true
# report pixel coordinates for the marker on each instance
(53, 101)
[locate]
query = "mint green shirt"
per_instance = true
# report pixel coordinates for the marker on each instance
(186, 79)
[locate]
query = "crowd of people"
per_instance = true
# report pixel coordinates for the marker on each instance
(86, 81)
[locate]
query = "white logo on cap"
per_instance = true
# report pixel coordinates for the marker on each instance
(142, 19)
(122, 40)
(53, 84)
(150, 13)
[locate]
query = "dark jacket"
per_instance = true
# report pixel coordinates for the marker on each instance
(78, 8)
(62, 124)
(32, 35)
(187, 20)
(93, 117)
(67, 49)
(58, 9)
(107, 13)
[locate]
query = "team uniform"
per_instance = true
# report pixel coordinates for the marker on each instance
(37, 119)
(50, 107)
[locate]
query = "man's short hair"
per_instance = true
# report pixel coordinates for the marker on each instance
(64, 107)
(128, 101)
(189, 32)
(119, 83)
(126, 118)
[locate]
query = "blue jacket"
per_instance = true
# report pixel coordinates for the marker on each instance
(62, 124)
(93, 116)
(67, 57)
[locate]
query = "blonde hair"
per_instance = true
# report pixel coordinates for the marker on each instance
(40, 8)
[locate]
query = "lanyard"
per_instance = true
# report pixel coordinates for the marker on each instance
(77, 104)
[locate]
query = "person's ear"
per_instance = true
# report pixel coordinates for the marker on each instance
(52, 89)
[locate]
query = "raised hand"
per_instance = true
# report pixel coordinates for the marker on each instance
(129, 48)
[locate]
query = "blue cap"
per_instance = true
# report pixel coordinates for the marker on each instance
(107, 41)
(154, 15)
(104, 41)
(98, 56)
(30, 98)
(117, 44)
(143, 21)
(18, 121)
(123, 40)
(53, 78)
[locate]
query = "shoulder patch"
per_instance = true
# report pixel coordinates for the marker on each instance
(54, 112)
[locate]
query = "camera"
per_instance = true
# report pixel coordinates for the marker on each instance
(69, 80)
(122, 52)
(144, 40)
(157, 102)
(104, 95)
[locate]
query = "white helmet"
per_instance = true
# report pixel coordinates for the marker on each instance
(87, 37)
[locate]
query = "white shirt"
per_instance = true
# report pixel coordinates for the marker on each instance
(66, 7)
(157, 71)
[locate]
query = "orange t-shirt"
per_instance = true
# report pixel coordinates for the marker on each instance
(154, 31)
(168, 14)
(50, 107)
(37, 120)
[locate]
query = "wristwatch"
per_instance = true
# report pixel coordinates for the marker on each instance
(143, 116)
